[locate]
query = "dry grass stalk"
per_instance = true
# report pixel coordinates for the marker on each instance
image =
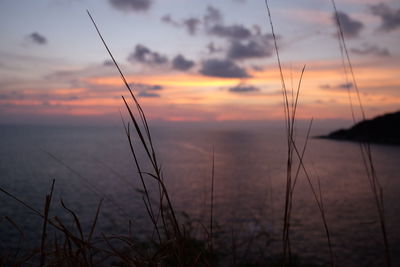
(365, 147)
(290, 118)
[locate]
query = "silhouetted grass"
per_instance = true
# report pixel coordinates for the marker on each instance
(290, 118)
(173, 241)
(365, 147)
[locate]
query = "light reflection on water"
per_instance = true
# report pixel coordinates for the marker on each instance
(249, 183)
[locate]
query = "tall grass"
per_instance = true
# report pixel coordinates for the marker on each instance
(290, 108)
(365, 147)
(171, 242)
(164, 219)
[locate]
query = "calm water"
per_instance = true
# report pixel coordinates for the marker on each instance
(94, 163)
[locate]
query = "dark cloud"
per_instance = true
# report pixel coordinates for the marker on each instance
(232, 31)
(131, 5)
(345, 85)
(191, 25)
(213, 24)
(241, 88)
(46, 103)
(72, 97)
(159, 59)
(222, 68)
(257, 68)
(351, 28)
(181, 63)
(169, 20)
(213, 49)
(147, 90)
(108, 63)
(367, 49)
(338, 87)
(14, 95)
(390, 17)
(140, 53)
(39, 94)
(37, 38)
(145, 55)
(212, 16)
(147, 87)
(256, 48)
(155, 87)
(148, 94)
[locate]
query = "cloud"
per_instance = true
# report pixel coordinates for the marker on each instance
(37, 38)
(241, 88)
(7, 95)
(213, 49)
(257, 68)
(145, 55)
(257, 48)
(351, 28)
(232, 31)
(181, 63)
(108, 63)
(371, 50)
(131, 5)
(345, 85)
(167, 19)
(212, 16)
(191, 25)
(155, 87)
(390, 17)
(148, 94)
(222, 68)
(147, 87)
(147, 90)
(39, 94)
(338, 87)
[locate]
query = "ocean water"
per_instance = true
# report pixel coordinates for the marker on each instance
(89, 163)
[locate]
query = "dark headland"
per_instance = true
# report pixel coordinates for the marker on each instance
(383, 129)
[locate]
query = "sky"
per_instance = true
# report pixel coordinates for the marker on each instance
(192, 60)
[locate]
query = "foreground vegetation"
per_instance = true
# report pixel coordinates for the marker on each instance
(174, 240)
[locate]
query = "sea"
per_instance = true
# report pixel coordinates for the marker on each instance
(246, 161)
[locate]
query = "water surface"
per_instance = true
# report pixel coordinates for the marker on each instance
(89, 163)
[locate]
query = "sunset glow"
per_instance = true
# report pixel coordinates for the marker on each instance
(200, 71)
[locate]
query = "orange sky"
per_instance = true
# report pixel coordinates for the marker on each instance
(319, 97)
(222, 67)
